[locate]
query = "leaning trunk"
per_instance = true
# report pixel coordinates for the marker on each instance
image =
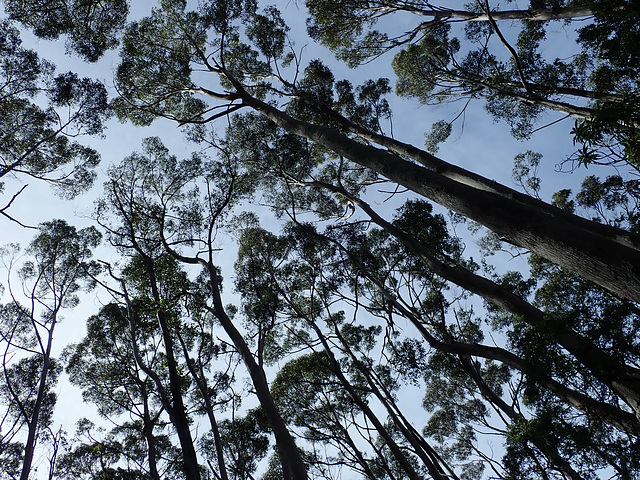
(541, 15)
(293, 466)
(551, 234)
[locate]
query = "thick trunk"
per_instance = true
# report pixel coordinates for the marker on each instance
(458, 174)
(572, 11)
(549, 232)
(471, 179)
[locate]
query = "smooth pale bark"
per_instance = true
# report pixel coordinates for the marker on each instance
(293, 466)
(572, 11)
(575, 111)
(550, 232)
(471, 179)
(574, 92)
(605, 255)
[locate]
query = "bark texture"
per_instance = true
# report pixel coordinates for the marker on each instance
(551, 233)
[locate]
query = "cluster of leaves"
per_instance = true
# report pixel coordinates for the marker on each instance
(92, 27)
(597, 84)
(37, 141)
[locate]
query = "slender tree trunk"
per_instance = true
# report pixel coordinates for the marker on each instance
(571, 91)
(397, 452)
(364, 464)
(178, 411)
(173, 404)
(147, 431)
(30, 444)
(422, 449)
(293, 466)
(380, 428)
(547, 450)
(622, 379)
(201, 382)
(33, 422)
(617, 375)
(531, 98)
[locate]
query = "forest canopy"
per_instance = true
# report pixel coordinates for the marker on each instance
(307, 292)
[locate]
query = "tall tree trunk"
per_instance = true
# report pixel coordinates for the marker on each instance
(178, 412)
(432, 465)
(540, 443)
(397, 452)
(164, 396)
(568, 12)
(33, 422)
(293, 466)
(421, 448)
(147, 432)
(197, 373)
(551, 233)
(621, 378)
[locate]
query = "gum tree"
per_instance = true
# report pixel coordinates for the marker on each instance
(314, 147)
(153, 209)
(155, 81)
(59, 268)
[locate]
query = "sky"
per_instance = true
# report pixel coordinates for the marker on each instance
(477, 144)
